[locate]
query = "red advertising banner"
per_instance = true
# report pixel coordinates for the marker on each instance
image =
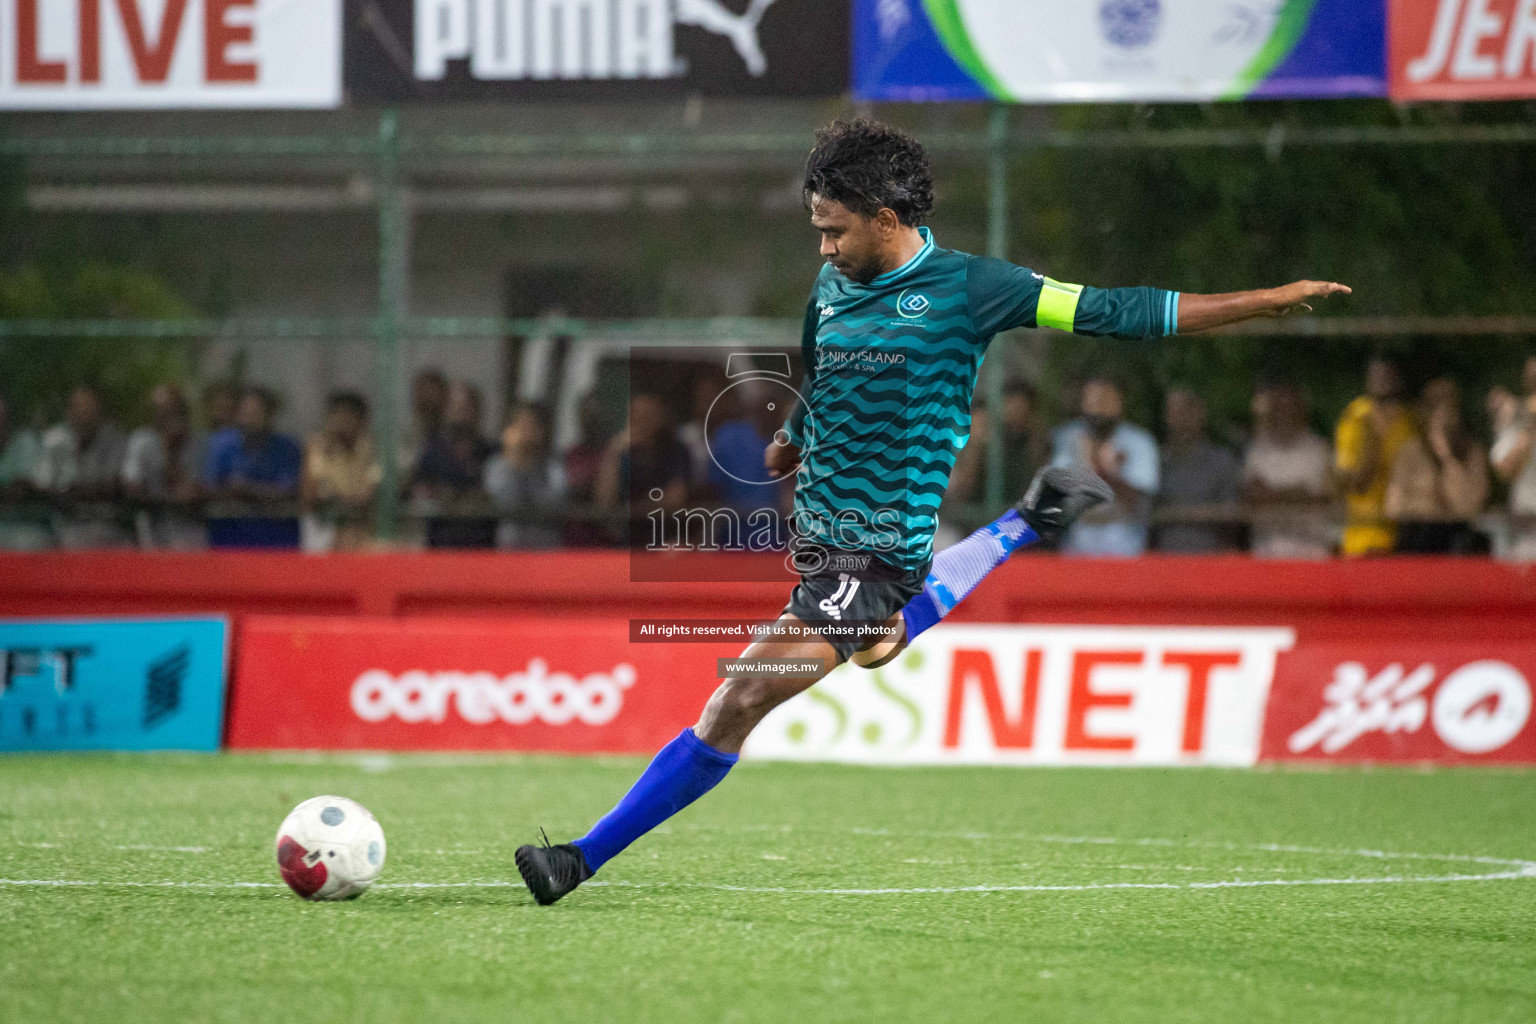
(1462, 49)
(1410, 701)
(979, 694)
(574, 685)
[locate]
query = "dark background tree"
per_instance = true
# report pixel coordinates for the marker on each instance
(1432, 230)
(49, 276)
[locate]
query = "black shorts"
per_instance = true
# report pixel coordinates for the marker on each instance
(851, 596)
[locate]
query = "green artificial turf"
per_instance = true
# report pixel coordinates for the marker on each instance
(718, 917)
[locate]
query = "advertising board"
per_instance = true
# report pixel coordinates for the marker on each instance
(125, 54)
(1403, 701)
(1463, 49)
(463, 684)
(399, 50)
(1118, 50)
(963, 694)
(166, 54)
(1105, 695)
(112, 684)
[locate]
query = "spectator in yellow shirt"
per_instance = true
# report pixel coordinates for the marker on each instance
(1372, 431)
(340, 479)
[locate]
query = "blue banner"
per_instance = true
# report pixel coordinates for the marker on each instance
(1046, 51)
(112, 684)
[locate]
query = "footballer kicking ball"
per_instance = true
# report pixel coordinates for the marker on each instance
(330, 848)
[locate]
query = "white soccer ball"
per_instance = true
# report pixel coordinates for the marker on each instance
(330, 848)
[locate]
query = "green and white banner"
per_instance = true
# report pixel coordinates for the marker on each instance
(1117, 50)
(1056, 695)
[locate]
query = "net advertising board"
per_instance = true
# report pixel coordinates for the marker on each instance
(1110, 695)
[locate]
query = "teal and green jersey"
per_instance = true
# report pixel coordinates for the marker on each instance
(890, 367)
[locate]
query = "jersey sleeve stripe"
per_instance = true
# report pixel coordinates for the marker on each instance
(1058, 304)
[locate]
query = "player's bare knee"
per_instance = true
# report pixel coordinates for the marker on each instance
(731, 705)
(734, 711)
(879, 655)
(748, 698)
(884, 650)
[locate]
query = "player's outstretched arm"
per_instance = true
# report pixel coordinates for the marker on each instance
(1004, 296)
(1204, 312)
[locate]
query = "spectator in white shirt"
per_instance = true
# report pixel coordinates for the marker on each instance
(1126, 457)
(81, 460)
(1287, 478)
(1515, 423)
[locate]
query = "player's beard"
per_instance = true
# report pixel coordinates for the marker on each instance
(861, 272)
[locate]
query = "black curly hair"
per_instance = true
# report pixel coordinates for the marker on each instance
(868, 166)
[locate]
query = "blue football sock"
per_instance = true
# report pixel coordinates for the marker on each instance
(958, 569)
(683, 771)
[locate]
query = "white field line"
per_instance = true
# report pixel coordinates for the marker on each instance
(1086, 887)
(77, 883)
(1025, 837)
(61, 883)
(1515, 869)
(1005, 837)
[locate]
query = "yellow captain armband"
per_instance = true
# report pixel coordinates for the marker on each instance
(1058, 304)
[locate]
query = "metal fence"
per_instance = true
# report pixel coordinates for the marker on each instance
(389, 157)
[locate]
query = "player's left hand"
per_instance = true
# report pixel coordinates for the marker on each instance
(781, 459)
(1298, 296)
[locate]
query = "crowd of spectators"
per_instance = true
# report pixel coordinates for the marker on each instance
(1402, 473)
(169, 485)
(236, 481)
